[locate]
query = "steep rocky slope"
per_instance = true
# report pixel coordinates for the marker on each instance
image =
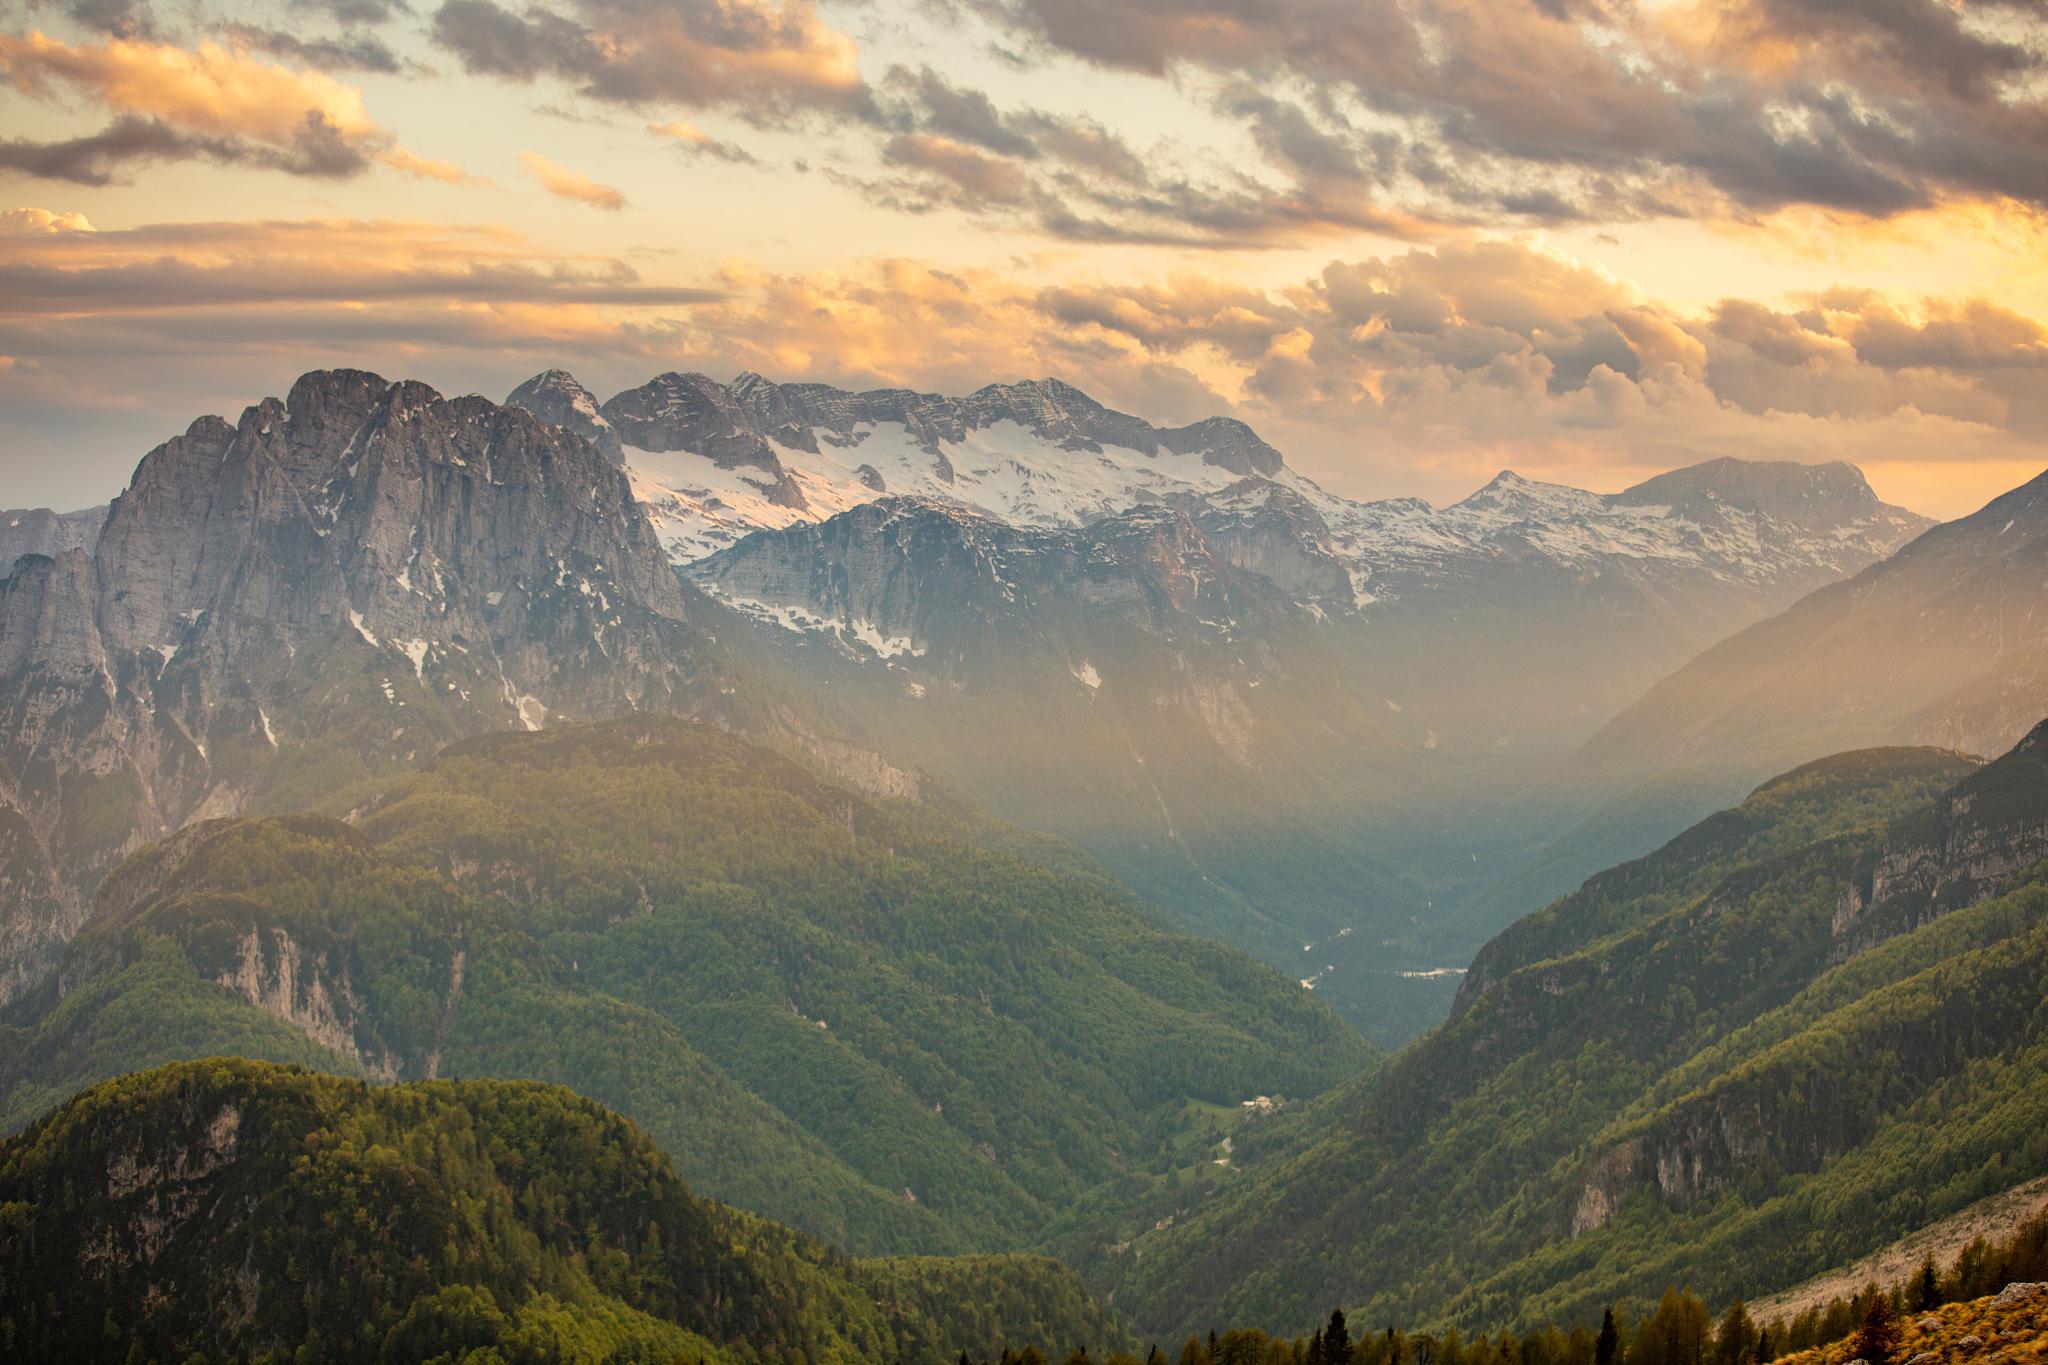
(341, 580)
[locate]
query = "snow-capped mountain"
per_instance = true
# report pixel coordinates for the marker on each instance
(1525, 615)
(715, 462)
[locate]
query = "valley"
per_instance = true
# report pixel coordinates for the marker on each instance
(1223, 900)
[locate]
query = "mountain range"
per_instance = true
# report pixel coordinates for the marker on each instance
(1627, 584)
(955, 826)
(1301, 723)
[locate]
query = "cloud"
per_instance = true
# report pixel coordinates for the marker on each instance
(40, 222)
(101, 158)
(564, 183)
(769, 60)
(215, 103)
(1420, 370)
(213, 89)
(350, 52)
(1602, 109)
(1073, 178)
(174, 268)
(352, 13)
(689, 135)
(426, 168)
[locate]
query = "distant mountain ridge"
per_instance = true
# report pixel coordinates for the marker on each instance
(39, 531)
(1945, 642)
(1518, 576)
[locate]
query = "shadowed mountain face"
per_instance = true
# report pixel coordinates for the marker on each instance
(1807, 1025)
(340, 581)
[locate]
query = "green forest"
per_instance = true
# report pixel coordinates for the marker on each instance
(1797, 1032)
(1728, 1064)
(227, 1210)
(902, 1029)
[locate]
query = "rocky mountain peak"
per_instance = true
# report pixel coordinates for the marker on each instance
(365, 565)
(696, 414)
(1817, 497)
(556, 397)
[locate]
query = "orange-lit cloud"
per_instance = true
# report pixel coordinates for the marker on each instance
(41, 222)
(217, 102)
(687, 134)
(564, 183)
(426, 168)
(1422, 371)
(211, 89)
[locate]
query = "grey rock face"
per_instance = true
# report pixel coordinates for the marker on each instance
(556, 398)
(337, 582)
(39, 531)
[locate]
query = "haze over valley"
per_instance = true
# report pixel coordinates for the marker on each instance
(783, 682)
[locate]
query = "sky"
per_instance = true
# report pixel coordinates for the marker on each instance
(1412, 242)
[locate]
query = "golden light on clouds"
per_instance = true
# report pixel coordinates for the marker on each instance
(1591, 242)
(211, 88)
(564, 183)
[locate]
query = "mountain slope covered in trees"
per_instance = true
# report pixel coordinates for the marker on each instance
(229, 1209)
(1804, 1027)
(859, 1016)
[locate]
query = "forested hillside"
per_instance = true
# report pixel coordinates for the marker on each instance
(852, 1015)
(232, 1210)
(1799, 1030)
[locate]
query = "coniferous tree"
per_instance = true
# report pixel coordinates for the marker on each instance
(1930, 1286)
(1337, 1340)
(1735, 1336)
(1608, 1344)
(1878, 1338)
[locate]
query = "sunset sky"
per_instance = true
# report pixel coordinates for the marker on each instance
(1411, 241)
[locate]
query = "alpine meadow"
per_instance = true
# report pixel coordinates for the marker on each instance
(1009, 682)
